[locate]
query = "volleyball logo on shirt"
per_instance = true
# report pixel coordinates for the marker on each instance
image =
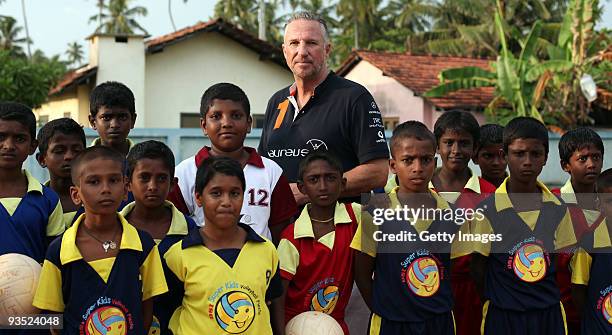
(107, 320)
(325, 299)
(606, 308)
(529, 263)
(234, 312)
(423, 276)
(155, 328)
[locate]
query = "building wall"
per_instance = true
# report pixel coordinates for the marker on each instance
(56, 106)
(177, 76)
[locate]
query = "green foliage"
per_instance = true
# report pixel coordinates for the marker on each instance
(117, 17)
(28, 81)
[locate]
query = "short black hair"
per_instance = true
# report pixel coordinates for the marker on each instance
(411, 129)
(577, 139)
(152, 150)
(604, 180)
(318, 155)
(523, 127)
(491, 134)
(224, 91)
(14, 111)
(111, 94)
(90, 154)
(66, 126)
(218, 165)
(456, 120)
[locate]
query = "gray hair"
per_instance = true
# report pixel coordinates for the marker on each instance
(308, 16)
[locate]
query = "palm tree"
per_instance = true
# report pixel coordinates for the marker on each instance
(9, 35)
(25, 24)
(170, 13)
(242, 13)
(117, 17)
(75, 53)
(362, 19)
(415, 15)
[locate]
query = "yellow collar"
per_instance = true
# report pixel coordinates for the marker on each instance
(33, 184)
(602, 236)
(472, 184)
(178, 225)
(502, 199)
(98, 141)
(303, 225)
(69, 251)
(567, 193)
(441, 203)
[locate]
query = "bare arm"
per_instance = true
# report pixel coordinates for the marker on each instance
(579, 294)
(277, 313)
(276, 230)
(147, 313)
(364, 269)
(478, 268)
(366, 177)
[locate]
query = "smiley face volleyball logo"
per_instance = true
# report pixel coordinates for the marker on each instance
(606, 308)
(107, 320)
(155, 328)
(325, 300)
(529, 263)
(234, 312)
(423, 277)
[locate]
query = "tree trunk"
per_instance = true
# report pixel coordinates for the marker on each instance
(170, 14)
(25, 23)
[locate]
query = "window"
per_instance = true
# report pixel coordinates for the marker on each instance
(390, 122)
(190, 120)
(42, 120)
(258, 120)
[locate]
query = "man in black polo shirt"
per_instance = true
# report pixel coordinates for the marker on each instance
(323, 111)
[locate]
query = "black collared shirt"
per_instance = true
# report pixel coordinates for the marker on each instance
(341, 117)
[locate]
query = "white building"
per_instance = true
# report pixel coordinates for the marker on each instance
(168, 74)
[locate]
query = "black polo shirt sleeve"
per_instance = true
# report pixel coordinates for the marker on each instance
(367, 131)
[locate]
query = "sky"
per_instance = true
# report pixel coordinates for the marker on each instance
(55, 23)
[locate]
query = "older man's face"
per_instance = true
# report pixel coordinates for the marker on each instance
(305, 49)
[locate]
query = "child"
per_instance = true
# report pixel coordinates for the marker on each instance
(401, 302)
(457, 135)
(316, 260)
(151, 175)
(490, 154)
(102, 273)
(520, 289)
(581, 151)
(30, 213)
(226, 119)
(591, 276)
(227, 270)
(112, 114)
(59, 141)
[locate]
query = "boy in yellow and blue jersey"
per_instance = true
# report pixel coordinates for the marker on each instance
(151, 176)
(228, 271)
(59, 142)
(518, 271)
(102, 273)
(30, 213)
(407, 284)
(591, 264)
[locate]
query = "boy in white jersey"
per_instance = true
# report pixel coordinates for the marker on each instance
(268, 201)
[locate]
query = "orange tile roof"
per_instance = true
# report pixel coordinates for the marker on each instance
(264, 48)
(419, 73)
(74, 77)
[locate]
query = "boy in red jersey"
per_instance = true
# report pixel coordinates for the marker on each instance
(316, 260)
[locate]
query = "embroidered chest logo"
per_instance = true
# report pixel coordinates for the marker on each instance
(420, 272)
(106, 317)
(529, 263)
(325, 296)
(234, 307)
(604, 304)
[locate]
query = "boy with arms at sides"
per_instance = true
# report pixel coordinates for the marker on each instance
(226, 120)
(102, 273)
(316, 260)
(457, 135)
(581, 151)
(518, 271)
(151, 175)
(490, 154)
(227, 270)
(410, 292)
(112, 114)
(591, 264)
(31, 214)
(59, 142)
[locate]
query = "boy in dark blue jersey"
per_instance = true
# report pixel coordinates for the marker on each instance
(102, 273)
(30, 213)
(518, 271)
(591, 264)
(151, 176)
(490, 154)
(59, 141)
(408, 290)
